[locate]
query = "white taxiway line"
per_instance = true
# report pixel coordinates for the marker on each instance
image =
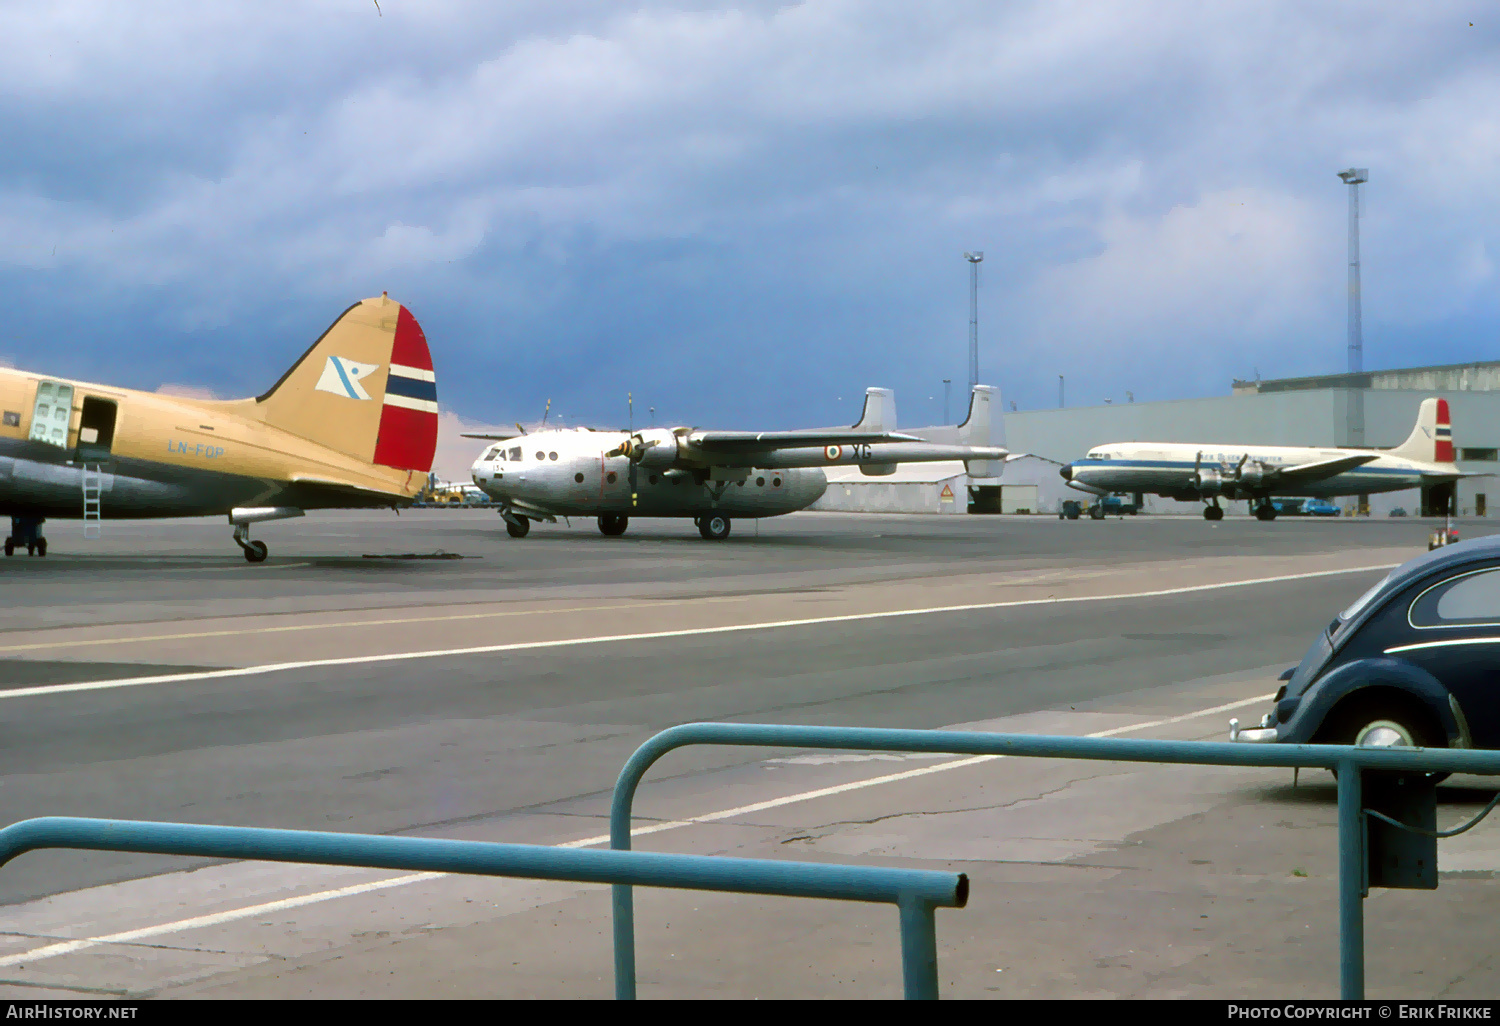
(231, 915)
(522, 646)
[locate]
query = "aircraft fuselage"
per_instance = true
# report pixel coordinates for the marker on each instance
(1169, 469)
(567, 473)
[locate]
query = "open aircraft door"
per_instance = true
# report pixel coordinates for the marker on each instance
(96, 429)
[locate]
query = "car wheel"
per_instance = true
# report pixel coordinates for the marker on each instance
(1385, 723)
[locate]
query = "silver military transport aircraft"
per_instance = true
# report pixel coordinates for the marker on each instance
(714, 476)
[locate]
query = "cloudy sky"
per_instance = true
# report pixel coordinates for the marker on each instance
(745, 213)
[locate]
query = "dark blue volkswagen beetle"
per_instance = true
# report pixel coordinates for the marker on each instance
(1414, 661)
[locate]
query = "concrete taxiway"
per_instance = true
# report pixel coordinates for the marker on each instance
(345, 686)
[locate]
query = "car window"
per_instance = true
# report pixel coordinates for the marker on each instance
(1471, 598)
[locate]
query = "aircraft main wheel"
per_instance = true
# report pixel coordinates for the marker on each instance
(31, 550)
(41, 546)
(714, 528)
(1267, 512)
(613, 524)
(518, 528)
(10, 547)
(256, 552)
(1213, 512)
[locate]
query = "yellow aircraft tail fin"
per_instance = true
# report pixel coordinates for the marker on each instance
(365, 388)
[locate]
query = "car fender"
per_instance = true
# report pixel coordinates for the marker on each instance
(1319, 699)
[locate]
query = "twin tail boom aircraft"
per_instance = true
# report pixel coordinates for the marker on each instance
(714, 476)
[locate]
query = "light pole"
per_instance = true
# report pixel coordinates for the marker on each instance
(1059, 391)
(947, 391)
(1355, 426)
(1353, 178)
(974, 259)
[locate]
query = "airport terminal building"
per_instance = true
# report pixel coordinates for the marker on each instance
(1374, 409)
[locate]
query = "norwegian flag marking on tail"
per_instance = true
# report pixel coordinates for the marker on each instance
(1444, 434)
(409, 420)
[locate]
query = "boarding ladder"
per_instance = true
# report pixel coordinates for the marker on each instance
(93, 488)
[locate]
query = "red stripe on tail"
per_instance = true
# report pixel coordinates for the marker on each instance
(409, 348)
(1444, 452)
(408, 439)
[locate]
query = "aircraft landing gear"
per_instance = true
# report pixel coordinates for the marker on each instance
(713, 527)
(1214, 512)
(255, 551)
(1265, 511)
(613, 524)
(27, 532)
(516, 525)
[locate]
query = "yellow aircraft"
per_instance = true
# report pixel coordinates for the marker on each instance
(352, 424)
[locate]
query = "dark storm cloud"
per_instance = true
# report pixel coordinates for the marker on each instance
(746, 213)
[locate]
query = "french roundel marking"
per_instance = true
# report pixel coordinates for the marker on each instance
(833, 452)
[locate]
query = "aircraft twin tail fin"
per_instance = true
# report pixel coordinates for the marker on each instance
(879, 413)
(1431, 440)
(365, 388)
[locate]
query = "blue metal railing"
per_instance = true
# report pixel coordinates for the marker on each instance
(1348, 761)
(916, 892)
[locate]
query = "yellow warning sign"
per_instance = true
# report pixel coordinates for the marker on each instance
(946, 495)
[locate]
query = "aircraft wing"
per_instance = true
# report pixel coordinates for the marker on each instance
(1306, 472)
(361, 495)
(499, 436)
(738, 441)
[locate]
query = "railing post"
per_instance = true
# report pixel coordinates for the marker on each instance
(622, 896)
(1351, 884)
(919, 973)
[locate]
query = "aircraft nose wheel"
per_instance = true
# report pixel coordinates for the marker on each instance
(1213, 512)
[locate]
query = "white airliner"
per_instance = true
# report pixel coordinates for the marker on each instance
(712, 476)
(1189, 472)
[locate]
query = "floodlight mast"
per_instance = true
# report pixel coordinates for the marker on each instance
(1353, 178)
(974, 259)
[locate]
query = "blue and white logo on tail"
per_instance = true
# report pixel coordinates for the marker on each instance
(341, 376)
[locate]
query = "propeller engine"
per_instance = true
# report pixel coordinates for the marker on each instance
(1250, 476)
(648, 449)
(1206, 480)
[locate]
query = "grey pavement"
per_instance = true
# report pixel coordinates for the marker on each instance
(1089, 881)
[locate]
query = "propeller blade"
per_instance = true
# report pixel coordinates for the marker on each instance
(1239, 471)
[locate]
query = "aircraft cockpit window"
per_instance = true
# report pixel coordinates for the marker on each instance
(496, 453)
(515, 455)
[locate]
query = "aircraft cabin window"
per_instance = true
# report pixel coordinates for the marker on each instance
(776, 482)
(578, 478)
(541, 456)
(1472, 598)
(760, 482)
(552, 455)
(515, 454)
(611, 477)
